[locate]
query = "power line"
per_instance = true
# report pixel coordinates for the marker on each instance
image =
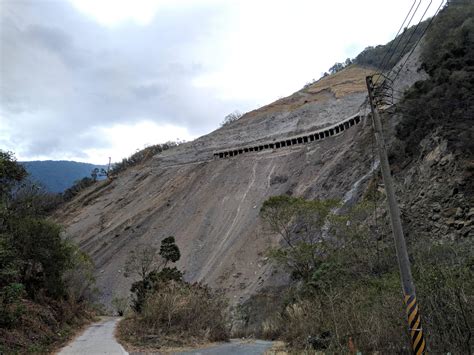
(382, 63)
(414, 31)
(400, 38)
(419, 39)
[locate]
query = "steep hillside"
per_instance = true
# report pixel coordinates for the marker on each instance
(211, 204)
(57, 176)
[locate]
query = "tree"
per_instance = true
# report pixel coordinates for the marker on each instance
(300, 223)
(95, 173)
(231, 117)
(150, 265)
(169, 250)
(336, 67)
(11, 173)
(141, 261)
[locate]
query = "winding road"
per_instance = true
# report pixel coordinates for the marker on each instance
(99, 339)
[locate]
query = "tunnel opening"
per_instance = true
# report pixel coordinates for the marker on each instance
(357, 119)
(326, 133)
(294, 141)
(336, 129)
(277, 145)
(271, 145)
(311, 137)
(331, 131)
(305, 139)
(265, 146)
(300, 140)
(246, 150)
(288, 142)
(241, 151)
(260, 147)
(351, 122)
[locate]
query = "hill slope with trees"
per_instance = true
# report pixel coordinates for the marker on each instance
(58, 175)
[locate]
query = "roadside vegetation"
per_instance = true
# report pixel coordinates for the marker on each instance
(345, 292)
(166, 311)
(46, 282)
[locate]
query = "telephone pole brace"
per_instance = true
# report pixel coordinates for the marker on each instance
(414, 320)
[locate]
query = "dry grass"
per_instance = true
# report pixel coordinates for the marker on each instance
(348, 81)
(175, 315)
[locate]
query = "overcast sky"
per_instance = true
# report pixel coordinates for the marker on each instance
(88, 79)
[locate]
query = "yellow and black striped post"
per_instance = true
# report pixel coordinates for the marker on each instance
(414, 323)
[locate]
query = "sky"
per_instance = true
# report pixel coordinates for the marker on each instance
(86, 80)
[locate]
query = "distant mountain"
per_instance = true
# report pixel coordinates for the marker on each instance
(58, 175)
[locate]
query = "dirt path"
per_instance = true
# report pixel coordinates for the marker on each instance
(97, 339)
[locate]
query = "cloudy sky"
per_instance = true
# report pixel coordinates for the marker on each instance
(88, 79)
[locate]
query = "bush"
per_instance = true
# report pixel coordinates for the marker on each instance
(142, 289)
(11, 307)
(78, 186)
(352, 288)
(141, 156)
(120, 305)
(177, 314)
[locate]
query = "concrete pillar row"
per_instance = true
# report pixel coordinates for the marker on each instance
(298, 140)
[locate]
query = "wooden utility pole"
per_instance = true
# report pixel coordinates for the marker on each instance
(414, 320)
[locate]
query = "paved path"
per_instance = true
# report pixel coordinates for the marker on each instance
(97, 339)
(234, 347)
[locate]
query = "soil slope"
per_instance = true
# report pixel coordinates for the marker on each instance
(211, 205)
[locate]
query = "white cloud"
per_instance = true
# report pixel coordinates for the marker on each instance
(125, 139)
(114, 12)
(71, 70)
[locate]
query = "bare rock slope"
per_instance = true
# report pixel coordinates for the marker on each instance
(211, 204)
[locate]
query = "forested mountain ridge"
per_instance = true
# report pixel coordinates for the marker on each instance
(58, 175)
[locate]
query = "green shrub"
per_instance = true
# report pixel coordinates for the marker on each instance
(120, 305)
(11, 308)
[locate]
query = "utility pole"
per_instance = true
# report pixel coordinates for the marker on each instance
(108, 168)
(414, 320)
